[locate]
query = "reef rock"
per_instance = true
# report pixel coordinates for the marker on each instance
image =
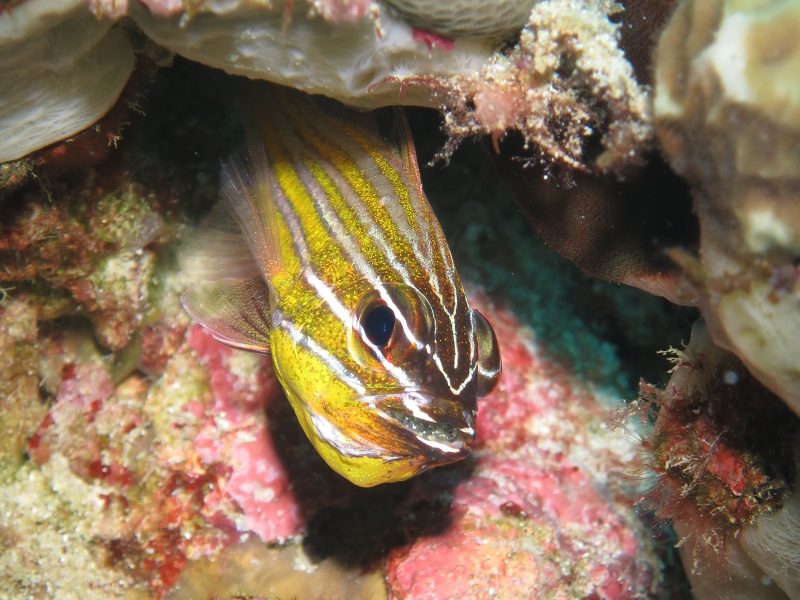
(208, 457)
(274, 572)
(725, 453)
(551, 70)
(563, 82)
(541, 513)
(727, 110)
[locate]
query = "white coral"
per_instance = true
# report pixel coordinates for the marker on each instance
(61, 70)
(370, 62)
(727, 110)
(773, 542)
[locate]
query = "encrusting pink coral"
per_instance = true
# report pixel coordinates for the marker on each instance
(234, 432)
(532, 517)
(201, 455)
(200, 459)
(513, 528)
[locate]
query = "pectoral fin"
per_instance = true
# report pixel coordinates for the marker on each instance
(236, 312)
(226, 292)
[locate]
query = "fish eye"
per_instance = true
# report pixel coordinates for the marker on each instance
(390, 326)
(378, 324)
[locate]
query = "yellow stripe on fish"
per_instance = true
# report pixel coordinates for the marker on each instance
(325, 253)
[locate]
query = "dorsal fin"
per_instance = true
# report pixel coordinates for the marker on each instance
(398, 135)
(247, 193)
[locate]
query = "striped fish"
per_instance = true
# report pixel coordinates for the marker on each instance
(327, 255)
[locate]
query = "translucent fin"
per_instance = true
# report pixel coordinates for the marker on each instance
(229, 259)
(398, 135)
(218, 250)
(247, 192)
(236, 312)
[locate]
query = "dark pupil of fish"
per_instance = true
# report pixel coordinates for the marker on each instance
(378, 324)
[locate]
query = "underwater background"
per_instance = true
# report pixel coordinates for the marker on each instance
(142, 458)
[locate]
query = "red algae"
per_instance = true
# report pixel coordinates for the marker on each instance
(721, 451)
(716, 470)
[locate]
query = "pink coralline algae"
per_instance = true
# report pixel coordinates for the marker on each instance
(517, 530)
(235, 433)
(208, 456)
(187, 463)
(531, 519)
(83, 391)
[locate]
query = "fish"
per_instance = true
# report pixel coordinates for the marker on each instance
(325, 253)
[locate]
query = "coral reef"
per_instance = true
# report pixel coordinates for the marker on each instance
(564, 85)
(722, 452)
(142, 459)
(48, 539)
(726, 110)
(771, 542)
(95, 253)
(177, 469)
(146, 456)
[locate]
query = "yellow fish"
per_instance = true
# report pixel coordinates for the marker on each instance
(327, 255)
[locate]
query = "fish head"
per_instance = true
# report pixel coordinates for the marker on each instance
(404, 399)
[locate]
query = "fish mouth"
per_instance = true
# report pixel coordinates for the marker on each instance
(392, 437)
(440, 429)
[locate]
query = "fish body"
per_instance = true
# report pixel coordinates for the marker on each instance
(327, 255)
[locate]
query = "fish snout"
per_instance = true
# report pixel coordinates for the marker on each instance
(442, 429)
